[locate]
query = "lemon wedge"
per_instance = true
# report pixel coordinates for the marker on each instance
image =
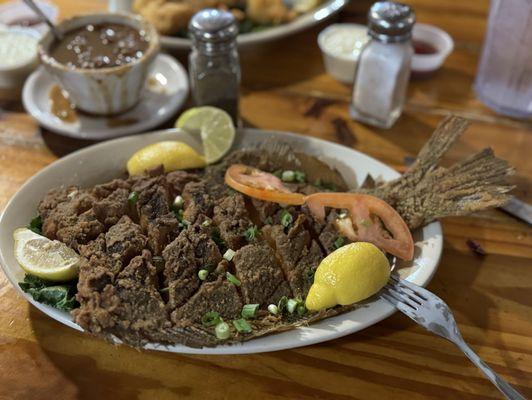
(45, 258)
(213, 125)
(173, 155)
(348, 275)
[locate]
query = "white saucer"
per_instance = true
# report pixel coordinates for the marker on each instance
(165, 92)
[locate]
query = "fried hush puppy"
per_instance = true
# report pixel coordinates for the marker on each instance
(172, 16)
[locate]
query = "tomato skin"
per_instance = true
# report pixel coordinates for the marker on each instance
(261, 185)
(265, 186)
(360, 206)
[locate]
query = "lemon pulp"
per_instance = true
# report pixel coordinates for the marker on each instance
(215, 128)
(45, 258)
(348, 275)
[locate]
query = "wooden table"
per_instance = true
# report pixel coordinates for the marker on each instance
(491, 296)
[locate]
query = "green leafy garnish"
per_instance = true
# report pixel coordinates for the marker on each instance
(35, 225)
(60, 296)
(268, 221)
(251, 233)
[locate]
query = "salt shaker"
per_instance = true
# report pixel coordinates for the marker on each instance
(384, 65)
(213, 63)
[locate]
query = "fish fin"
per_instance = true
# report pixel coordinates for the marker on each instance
(427, 191)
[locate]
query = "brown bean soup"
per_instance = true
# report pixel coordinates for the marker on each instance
(100, 46)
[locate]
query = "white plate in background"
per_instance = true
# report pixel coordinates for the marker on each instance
(104, 161)
(165, 93)
(304, 21)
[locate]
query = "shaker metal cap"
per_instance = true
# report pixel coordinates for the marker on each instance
(390, 22)
(213, 25)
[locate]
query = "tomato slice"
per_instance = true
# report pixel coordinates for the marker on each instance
(361, 207)
(261, 185)
(361, 224)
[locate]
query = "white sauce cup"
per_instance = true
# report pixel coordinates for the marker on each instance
(423, 64)
(340, 45)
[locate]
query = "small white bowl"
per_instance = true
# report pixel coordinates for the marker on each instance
(441, 41)
(103, 91)
(12, 76)
(340, 45)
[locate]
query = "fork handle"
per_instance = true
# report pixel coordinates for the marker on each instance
(505, 388)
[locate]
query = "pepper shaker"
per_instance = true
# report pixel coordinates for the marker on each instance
(384, 65)
(214, 66)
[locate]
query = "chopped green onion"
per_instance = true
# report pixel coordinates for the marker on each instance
(202, 274)
(342, 215)
(273, 309)
(301, 309)
(282, 304)
(211, 318)
(249, 310)
(278, 173)
(288, 176)
(268, 221)
(310, 275)
(299, 176)
(179, 202)
(215, 236)
(164, 290)
(179, 214)
(242, 325)
(365, 223)
(222, 330)
(325, 186)
(158, 261)
(35, 225)
(251, 233)
(206, 223)
(133, 198)
(291, 305)
(233, 279)
(286, 219)
(229, 254)
(339, 242)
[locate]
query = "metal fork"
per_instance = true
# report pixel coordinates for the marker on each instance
(431, 312)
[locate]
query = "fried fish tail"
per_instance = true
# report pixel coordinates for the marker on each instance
(428, 191)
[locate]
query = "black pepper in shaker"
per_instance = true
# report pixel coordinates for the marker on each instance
(214, 66)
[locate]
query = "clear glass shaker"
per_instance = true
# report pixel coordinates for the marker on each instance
(383, 69)
(214, 66)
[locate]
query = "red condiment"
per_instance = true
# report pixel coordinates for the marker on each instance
(423, 47)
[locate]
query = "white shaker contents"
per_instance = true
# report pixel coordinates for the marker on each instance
(384, 66)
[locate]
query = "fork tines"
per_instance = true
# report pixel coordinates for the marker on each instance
(398, 290)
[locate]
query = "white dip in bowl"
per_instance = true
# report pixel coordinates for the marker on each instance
(341, 45)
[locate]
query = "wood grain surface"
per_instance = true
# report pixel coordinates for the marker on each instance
(285, 87)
